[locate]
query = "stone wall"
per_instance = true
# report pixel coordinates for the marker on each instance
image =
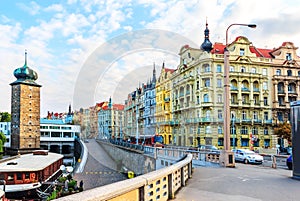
(131, 159)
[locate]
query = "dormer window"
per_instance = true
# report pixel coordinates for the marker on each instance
(288, 56)
(242, 52)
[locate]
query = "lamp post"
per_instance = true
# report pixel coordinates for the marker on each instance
(227, 88)
(227, 92)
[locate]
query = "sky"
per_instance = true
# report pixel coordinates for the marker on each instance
(86, 51)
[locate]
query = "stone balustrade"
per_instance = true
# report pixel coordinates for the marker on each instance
(161, 184)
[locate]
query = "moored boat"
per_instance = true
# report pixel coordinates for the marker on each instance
(24, 174)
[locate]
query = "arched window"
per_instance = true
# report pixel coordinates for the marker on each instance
(243, 69)
(289, 72)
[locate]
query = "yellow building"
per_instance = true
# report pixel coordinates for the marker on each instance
(198, 94)
(163, 112)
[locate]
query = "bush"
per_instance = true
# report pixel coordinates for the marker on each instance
(62, 179)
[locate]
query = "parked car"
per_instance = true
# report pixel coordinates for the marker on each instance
(289, 162)
(247, 156)
(211, 148)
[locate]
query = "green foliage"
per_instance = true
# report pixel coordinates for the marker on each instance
(283, 130)
(62, 179)
(3, 140)
(52, 196)
(5, 117)
(72, 184)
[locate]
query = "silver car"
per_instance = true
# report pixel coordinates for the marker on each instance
(247, 156)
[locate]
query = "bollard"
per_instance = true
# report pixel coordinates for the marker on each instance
(274, 161)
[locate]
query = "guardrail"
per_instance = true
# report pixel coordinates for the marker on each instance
(161, 185)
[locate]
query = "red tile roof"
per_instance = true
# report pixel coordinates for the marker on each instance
(118, 107)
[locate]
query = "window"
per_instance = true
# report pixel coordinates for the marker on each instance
(220, 114)
(278, 72)
(244, 130)
(243, 69)
(265, 85)
(242, 52)
(253, 70)
(197, 85)
(266, 131)
(288, 56)
(10, 177)
(231, 69)
(205, 97)
(206, 68)
(289, 72)
(220, 130)
(298, 73)
(244, 115)
(208, 129)
(220, 99)
(19, 176)
(207, 114)
(264, 71)
(207, 82)
(280, 116)
(219, 68)
(198, 99)
(266, 116)
(265, 101)
(219, 83)
(254, 130)
(255, 115)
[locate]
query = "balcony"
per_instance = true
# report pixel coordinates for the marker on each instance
(268, 121)
(245, 89)
(246, 120)
(233, 88)
(255, 89)
(257, 121)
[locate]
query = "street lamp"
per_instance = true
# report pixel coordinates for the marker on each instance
(227, 89)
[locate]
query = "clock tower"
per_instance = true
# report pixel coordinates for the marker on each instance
(25, 110)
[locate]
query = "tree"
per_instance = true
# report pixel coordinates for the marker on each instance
(283, 130)
(5, 117)
(3, 140)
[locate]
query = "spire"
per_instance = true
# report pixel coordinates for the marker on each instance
(109, 103)
(154, 73)
(163, 66)
(206, 45)
(69, 109)
(25, 58)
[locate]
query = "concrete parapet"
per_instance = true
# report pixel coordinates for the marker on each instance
(160, 184)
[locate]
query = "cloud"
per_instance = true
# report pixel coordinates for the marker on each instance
(33, 8)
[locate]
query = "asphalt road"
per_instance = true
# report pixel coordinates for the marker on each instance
(243, 183)
(99, 169)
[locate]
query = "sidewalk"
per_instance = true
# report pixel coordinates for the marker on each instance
(245, 182)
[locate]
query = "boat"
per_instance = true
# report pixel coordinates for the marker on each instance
(24, 175)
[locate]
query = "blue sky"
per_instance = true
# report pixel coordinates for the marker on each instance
(78, 39)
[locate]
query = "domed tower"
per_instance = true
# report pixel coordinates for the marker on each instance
(206, 45)
(25, 110)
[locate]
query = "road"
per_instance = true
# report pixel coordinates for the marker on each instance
(99, 169)
(245, 182)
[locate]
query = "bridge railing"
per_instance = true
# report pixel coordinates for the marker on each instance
(161, 184)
